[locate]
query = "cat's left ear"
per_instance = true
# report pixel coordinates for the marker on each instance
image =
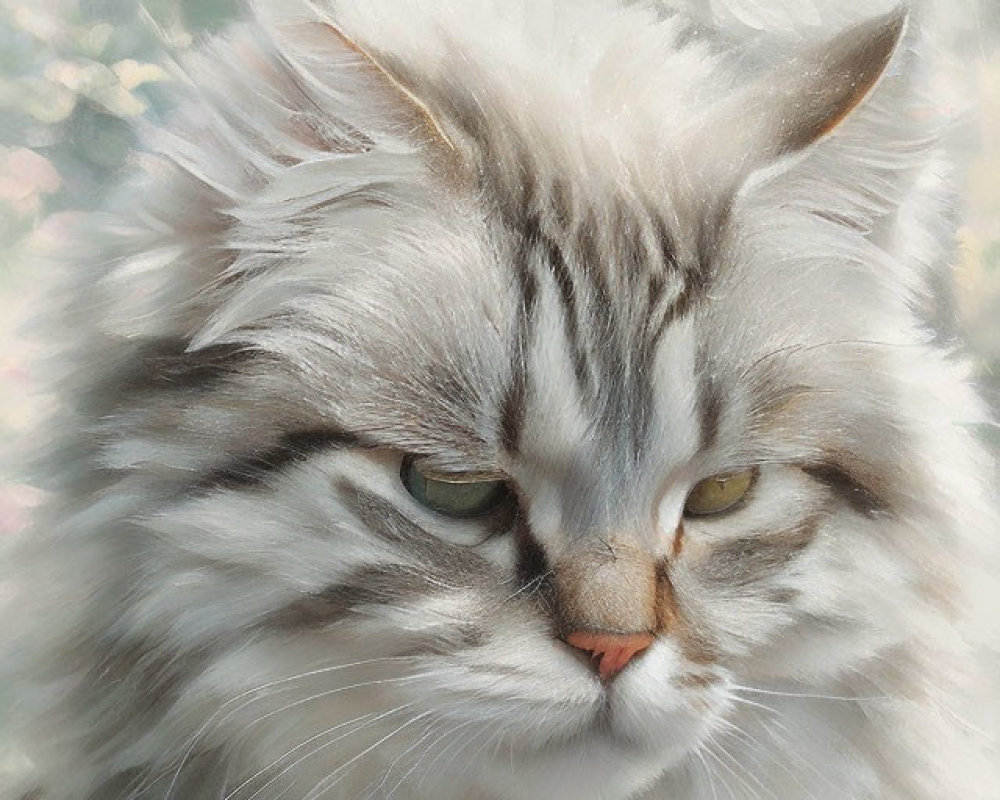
(394, 82)
(803, 101)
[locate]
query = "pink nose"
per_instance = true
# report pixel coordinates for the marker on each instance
(612, 651)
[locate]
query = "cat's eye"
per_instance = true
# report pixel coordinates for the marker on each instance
(452, 494)
(719, 493)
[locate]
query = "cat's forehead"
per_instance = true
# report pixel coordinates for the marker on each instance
(591, 94)
(442, 315)
(578, 230)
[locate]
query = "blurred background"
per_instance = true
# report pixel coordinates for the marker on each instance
(74, 74)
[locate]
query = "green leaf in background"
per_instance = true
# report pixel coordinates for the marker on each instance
(991, 256)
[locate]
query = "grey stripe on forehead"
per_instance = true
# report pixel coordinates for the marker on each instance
(513, 407)
(616, 269)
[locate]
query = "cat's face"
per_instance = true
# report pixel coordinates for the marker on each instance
(605, 413)
(463, 425)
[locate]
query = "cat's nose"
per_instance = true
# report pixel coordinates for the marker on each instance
(611, 651)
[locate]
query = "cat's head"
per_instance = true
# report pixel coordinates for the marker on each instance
(513, 387)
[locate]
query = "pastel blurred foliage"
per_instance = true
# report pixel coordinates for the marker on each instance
(72, 76)
(75, 74)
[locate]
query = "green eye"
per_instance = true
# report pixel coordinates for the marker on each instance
(719, 493)
(454, 495)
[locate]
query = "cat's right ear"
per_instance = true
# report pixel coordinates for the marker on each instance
(803, 101)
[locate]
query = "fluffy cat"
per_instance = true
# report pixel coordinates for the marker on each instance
(516, 400)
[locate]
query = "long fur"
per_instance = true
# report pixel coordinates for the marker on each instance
(554, 242)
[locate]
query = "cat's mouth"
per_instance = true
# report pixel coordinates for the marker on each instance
(629, 709)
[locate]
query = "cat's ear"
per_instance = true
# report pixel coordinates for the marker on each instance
(393, 81)
(801, 102)
(836, 78)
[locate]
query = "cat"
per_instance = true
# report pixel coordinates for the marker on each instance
(515, 400)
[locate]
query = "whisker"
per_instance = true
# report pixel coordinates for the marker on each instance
(318, 696)
(323, 789)
(330, 692)
(708, 772)
(751, 704)
(252, 693)
(299, 746)
(759, 747)
(496, 737)
(444, 750)
(808, 696)
(709, 752)
(793, 751)
(736, 775)
(531, 586)
(497, 727)
(416, 763)
(381, 784)
(333, 741)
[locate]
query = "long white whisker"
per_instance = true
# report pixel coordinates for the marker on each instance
(710, 753)
(793, 751)
(732, 772)
(254, 694)
(330, 692)
(497, 728)
(333, 741)
(805, 695)
(751, 704)
(451, 732)
(530, 587)
(708, 771)
(376, 785)
(323, 789)
(757, 745)
(364, 718)
(317, 696)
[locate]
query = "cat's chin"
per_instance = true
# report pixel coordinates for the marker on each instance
(595, 763)
(649, 720)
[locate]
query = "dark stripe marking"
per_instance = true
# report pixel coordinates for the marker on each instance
(568, 294)
(166, 364)
(858, 493)
(747, 560)
(454, 562)
(393, 585)
(534, 572)
(513, 407)
(390, 584)
(252, 469)
(709, 409)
